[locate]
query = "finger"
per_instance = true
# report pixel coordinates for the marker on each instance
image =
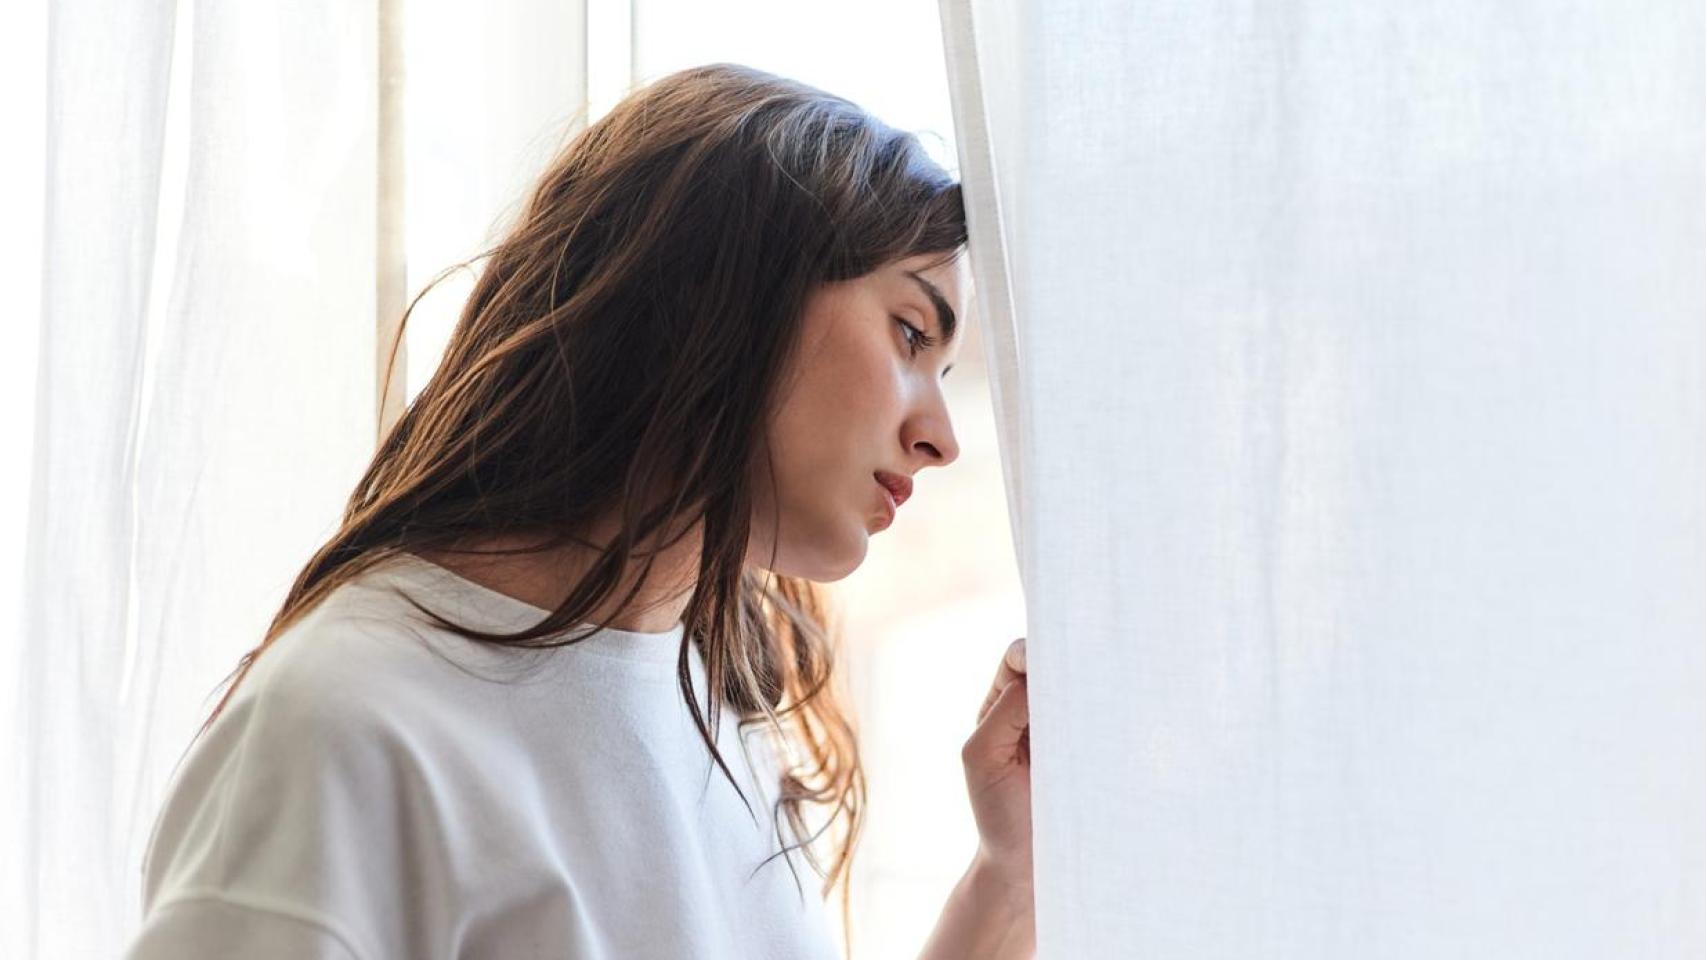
(1005, 729)
(1012, 666)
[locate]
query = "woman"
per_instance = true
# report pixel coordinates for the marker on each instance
(694, 378)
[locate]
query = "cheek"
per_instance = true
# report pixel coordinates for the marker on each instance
(823, 439)
(826, 435)
(807, 443)
(838, 426)
(835, 411)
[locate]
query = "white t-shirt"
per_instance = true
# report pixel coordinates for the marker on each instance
(362, 797)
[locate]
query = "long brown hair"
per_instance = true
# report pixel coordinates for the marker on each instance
(619, 355)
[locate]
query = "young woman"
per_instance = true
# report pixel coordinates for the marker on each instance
(694, 379)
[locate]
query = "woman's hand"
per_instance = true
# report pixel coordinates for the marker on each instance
(991, 913)
(997, 760)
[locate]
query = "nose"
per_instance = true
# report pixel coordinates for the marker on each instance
(932, 438)
(939, 458)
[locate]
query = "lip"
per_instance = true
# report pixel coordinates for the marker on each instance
(888, 509)
(899, 487)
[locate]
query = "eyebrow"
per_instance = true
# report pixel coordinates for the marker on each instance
(944, 313)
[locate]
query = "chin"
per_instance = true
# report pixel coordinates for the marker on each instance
(841, 572)
(821, 547)
(823, 566)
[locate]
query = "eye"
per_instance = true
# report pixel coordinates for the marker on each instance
(916, 339)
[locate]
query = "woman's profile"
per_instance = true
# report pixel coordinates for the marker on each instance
(560, 683)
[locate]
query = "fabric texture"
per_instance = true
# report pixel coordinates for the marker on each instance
(380, 788)
(204, 405)
(1360, 363)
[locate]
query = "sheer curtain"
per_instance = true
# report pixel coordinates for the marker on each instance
(211, 262)
(1359, 356)
(204, 401)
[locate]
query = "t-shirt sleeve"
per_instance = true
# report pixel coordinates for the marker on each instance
(209, 926)
(302, 817)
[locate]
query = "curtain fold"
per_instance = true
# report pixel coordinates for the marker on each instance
(190, 455)
(1359, 355)
(99, 221)
(985, 111)
(206, 372)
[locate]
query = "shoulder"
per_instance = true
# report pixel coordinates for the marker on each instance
(365, 656)
(308, 793)
(350, 767)
(310, 742)
(303, 748)
(211, 924)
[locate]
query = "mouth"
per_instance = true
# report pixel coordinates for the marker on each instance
(889, 508)
(898, 487)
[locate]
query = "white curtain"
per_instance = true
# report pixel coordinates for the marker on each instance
(206, 381)
(205, 400)
(1355, 419)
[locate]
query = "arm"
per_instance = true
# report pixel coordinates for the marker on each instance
(986, 917)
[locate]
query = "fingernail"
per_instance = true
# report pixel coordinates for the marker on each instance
(1020, 653)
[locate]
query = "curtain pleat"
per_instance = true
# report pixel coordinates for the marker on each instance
(982, 117)
(104, 141)
(186, 460)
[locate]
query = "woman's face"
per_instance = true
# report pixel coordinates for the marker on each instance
(864, 395)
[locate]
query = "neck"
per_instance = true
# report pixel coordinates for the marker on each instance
(545, 578)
